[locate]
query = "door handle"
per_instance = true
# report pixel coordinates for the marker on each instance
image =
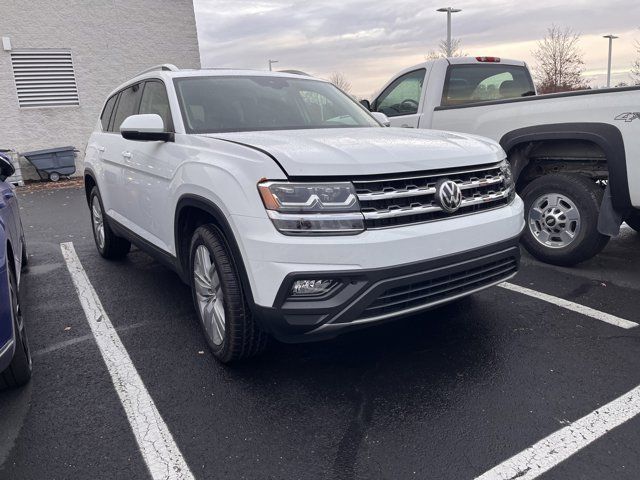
(126, 154)
(404, 125)
(101, 149)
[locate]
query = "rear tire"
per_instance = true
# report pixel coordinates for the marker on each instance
(633, 221)
(18, 372)
(561, 214)
(221, 306)
(54, 176)
(109, 245)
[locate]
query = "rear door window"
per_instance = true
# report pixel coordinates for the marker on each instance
(127, 105)
(480, 83)
(155, 100)
(106, 112)
(402, 97)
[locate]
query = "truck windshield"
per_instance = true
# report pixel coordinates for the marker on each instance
(252, 103)
(480, 83)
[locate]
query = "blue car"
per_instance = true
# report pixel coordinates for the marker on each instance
(15, 357)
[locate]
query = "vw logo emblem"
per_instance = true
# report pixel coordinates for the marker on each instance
(448, 195)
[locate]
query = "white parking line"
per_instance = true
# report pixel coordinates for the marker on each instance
(159, 450)
(574, 307)
(559, 446)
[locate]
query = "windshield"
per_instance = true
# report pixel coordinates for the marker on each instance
(241, 104)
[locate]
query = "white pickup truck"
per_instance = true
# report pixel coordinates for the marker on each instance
(575, 155)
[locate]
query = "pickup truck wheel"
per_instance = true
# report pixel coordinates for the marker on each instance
(18, 372)
(561, 214)
(633, 221)
(108, 244)
(221, 306)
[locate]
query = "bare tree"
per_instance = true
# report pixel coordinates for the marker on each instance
(635, 69)
(441, 51)
(559, 63)
(340, 81)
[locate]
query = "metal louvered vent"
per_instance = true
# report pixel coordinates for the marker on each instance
(44, 78)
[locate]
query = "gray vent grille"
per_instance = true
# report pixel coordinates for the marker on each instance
(44, 78)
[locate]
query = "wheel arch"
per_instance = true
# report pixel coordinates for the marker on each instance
(193, 211)
(89, 183)
(607, 137)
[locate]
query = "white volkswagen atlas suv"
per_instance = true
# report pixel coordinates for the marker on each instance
(292, 211)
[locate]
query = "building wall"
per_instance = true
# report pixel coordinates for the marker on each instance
(110, 41)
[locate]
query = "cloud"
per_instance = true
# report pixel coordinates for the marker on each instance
(369, 41)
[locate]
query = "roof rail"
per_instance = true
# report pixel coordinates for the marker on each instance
(167, 67)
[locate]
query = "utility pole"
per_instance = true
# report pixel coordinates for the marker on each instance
(271, 62)
(611, 39)
(449, 11)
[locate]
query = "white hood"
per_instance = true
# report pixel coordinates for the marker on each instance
(367, 151)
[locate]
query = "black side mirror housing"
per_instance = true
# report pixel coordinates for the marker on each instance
(148, 136)
(366, 104)
(6, 167)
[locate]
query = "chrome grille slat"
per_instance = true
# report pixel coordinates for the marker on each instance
(396, 201)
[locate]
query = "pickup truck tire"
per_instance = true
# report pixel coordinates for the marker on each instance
(561, 215)
(221, 306)
(109, 245)
(18, 372)
(633, 221)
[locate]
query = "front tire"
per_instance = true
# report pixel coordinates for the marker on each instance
(221, 306)
(109, 245)
(561, 214)
(18, 373)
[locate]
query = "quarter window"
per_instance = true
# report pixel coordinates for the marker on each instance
(127, 105)
(155, 100)
(402, 97)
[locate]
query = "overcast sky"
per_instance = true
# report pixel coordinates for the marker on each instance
(370, 40)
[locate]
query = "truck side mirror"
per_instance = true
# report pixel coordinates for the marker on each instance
(365, 103)
(382, 118)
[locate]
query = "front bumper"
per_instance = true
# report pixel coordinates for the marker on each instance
(376, 295)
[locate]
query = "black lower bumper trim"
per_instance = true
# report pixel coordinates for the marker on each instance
(370, 296)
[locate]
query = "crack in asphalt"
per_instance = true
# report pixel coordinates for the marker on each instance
(354, 434)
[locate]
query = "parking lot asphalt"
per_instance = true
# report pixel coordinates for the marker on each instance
(447, 394)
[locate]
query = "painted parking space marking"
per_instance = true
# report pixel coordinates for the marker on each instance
(559, 446)
(574, 307)
(157, 446)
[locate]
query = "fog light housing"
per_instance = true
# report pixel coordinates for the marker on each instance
(312, 287)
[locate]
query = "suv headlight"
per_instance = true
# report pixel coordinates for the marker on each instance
(505, 170)
(312, 208)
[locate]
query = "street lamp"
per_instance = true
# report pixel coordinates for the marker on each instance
(611, 39)
(271, 62)
(449, 11)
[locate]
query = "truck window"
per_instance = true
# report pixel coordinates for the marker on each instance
(402, 97)
(481, 83)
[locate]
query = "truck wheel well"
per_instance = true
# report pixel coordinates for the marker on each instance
(534, 159)
(189, 219)
(11, 260)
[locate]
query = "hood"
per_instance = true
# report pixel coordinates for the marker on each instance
(367, 151)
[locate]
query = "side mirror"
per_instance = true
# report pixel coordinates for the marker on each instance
(6, 167)
(145, 127)
(366, 104)
(382, 118)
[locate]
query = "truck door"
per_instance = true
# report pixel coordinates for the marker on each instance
(401, 100)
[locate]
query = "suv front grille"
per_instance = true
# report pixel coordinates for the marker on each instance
(394, 201)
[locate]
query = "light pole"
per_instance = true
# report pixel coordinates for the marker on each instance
(271, 62)
(449, 11)
(611, 39)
